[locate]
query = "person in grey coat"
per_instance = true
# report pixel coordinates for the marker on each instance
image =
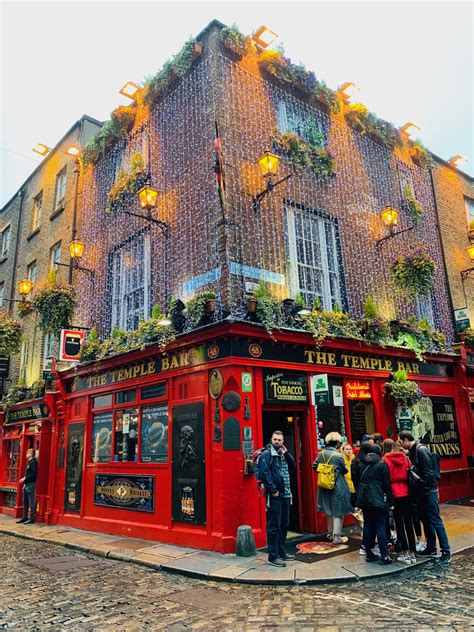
(335, 503)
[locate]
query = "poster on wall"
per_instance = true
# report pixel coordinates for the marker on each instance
(101, 437)
(154, 433)
(435, 424)
(189, 471)
(75, 454)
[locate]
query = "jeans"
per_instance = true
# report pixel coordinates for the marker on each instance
(278, 517)
(433, 523)
(374, 524)
(29, 500)
(335, 525)
(403, 515)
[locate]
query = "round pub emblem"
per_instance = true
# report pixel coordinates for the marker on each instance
(216, 383)
(213, 352)
(255, 350)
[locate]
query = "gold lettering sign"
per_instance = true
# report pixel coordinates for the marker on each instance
(366, 363)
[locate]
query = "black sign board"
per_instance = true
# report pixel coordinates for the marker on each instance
(75, 456)
(189, 471)
(285, 387)
(125, 491)
(231, 434)
(27, 413)
(435, 424)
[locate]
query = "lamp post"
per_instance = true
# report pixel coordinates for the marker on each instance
(269, 164)
(76, 250)
(24, 288)
(389, 217)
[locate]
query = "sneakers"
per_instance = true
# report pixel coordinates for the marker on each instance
(426, 553)
(288, 557)
(376, 550)
(21, 520)
(420, 546)
(406, 559)
(340, 539)
(277, 562)
(446, 558)
(362, 550)
(372, 558)
(29, 521)
(385, 561)
(391, 548)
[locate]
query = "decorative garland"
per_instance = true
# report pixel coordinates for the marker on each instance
(414, 272)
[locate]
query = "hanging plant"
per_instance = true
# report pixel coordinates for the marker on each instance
(414, 272)
(305, 155)
(324, 94)
(24, 308)
(287, 73)
(55, 305)
(127, 184)
(403, 391)
(268, 310)
(414, 208)
(236, 41)
(196, 309)
(11, 332)
(124, 118)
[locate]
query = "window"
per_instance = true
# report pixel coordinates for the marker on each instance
(470, 212)
(291, 118)
(102, 401)
(13, 459)
(55, 255)
(49, 344)
(24, 358)
(60, 191)
(6, 236)
(31, 272)
(424, 309)
(126, 435)
(36, 213)
(130, 269)
(2, 292)
(314, 258)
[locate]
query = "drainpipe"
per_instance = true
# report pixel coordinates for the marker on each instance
(21, 195)
(74, 208)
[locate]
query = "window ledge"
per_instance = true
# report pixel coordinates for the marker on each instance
(56, 213)
(33, 233)
(3, 258)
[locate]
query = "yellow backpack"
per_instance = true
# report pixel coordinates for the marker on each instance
(326, 473)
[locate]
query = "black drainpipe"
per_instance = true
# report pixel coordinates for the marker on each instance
(21, 195)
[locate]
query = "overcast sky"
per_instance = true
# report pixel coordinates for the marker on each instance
(412, 61)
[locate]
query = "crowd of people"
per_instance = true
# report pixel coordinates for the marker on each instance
(386, 484)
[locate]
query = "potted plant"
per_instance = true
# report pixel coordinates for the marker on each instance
(124, 118)
(127, 183)
(420, 155)
(268, 308)
(11, 333)
(467, 336)
(373, 327)
(210, 304)
(250, 303)
(55, 305)
(90, 348)
(24, 308)
(236, 41)
(414, 272)
(403, 391)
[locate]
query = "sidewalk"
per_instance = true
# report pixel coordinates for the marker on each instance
(349, 567)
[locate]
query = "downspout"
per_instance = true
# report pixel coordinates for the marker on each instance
(74, 208)
(21, 195)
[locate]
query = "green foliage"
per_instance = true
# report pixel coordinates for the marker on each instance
(123, 118)
(11, 333)
(414, 271)
(299, 300)
(55, 305)
(420, 154)
(364, 122)
(370, 311)
(420, 337)
(403, 391)
(304, 155)
(268, 308)
(239, 43)
(282, 69)
(156, 312)
(196, 309)
(468, 337)
(326, 95)
(414, 208)
(128, 183)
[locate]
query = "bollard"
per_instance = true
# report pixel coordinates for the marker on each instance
(245, 545)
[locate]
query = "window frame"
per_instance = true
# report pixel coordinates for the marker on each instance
(469, 206)
(32, 266)
(57, 247)
(12, 466)
(24, 358)
(37, 211)
(60, 188)
(2, 293)
(285, 122)
(5, 250)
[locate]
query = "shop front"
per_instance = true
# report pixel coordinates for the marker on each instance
(27, 425)
(160, 446)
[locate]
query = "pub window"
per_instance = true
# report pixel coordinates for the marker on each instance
(101, 437)
(315, 263)
(124, 397)
(425, 309)
(292, 118)
(154, 391)
(49, 345)
(24, 359)
(55, 255)
(154, 434)
(102, 401)
(13, 457)
(330, 415)
(130, 274)
(126, 435)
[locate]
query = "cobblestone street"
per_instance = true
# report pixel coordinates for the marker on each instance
(49, 587)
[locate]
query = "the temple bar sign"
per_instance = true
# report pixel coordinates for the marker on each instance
(356, 361)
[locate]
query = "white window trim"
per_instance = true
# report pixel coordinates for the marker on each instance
(52, 262)
(6, 231)
(61, 183)
(24, 359)
(37, 211)
(2, 293)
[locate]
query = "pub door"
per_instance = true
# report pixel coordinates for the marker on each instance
(361, 410)
(292, 426)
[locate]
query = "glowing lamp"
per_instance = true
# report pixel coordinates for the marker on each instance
(470, 252)
(147, 198)
(263, 37)
(73, 150)
(41, 149)
(389, 217)
(268, 164)
(457, 160)
(130, 90)
(76, 249)
(409, 129)
(24, 287)
(347, 90)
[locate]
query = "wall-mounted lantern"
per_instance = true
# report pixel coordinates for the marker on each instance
(389, 217)
(268, 164)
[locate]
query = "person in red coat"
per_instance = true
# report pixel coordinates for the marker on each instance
(398, 464)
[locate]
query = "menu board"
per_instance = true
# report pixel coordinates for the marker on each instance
(154, 434)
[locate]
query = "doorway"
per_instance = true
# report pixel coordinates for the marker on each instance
(291, 425)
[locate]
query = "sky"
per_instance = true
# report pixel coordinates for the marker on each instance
(413, 61)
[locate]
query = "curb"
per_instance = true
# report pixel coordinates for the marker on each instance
(121, 557)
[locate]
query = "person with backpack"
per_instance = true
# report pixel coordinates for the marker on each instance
(334, 496)
(374, 496)
(427, 475)
(274, 465)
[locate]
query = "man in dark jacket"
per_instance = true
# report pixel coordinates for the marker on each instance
(29, 484)
(371, 480)
(275, 464)
(427, 499)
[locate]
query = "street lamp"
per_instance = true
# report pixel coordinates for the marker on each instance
(41, 149)
(76, 250)
(24, 288)
(148, 199)
(269, 164)
(263, 37)
(130, 90)
(389, 217)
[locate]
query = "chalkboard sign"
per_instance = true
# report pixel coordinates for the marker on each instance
(231, 434)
